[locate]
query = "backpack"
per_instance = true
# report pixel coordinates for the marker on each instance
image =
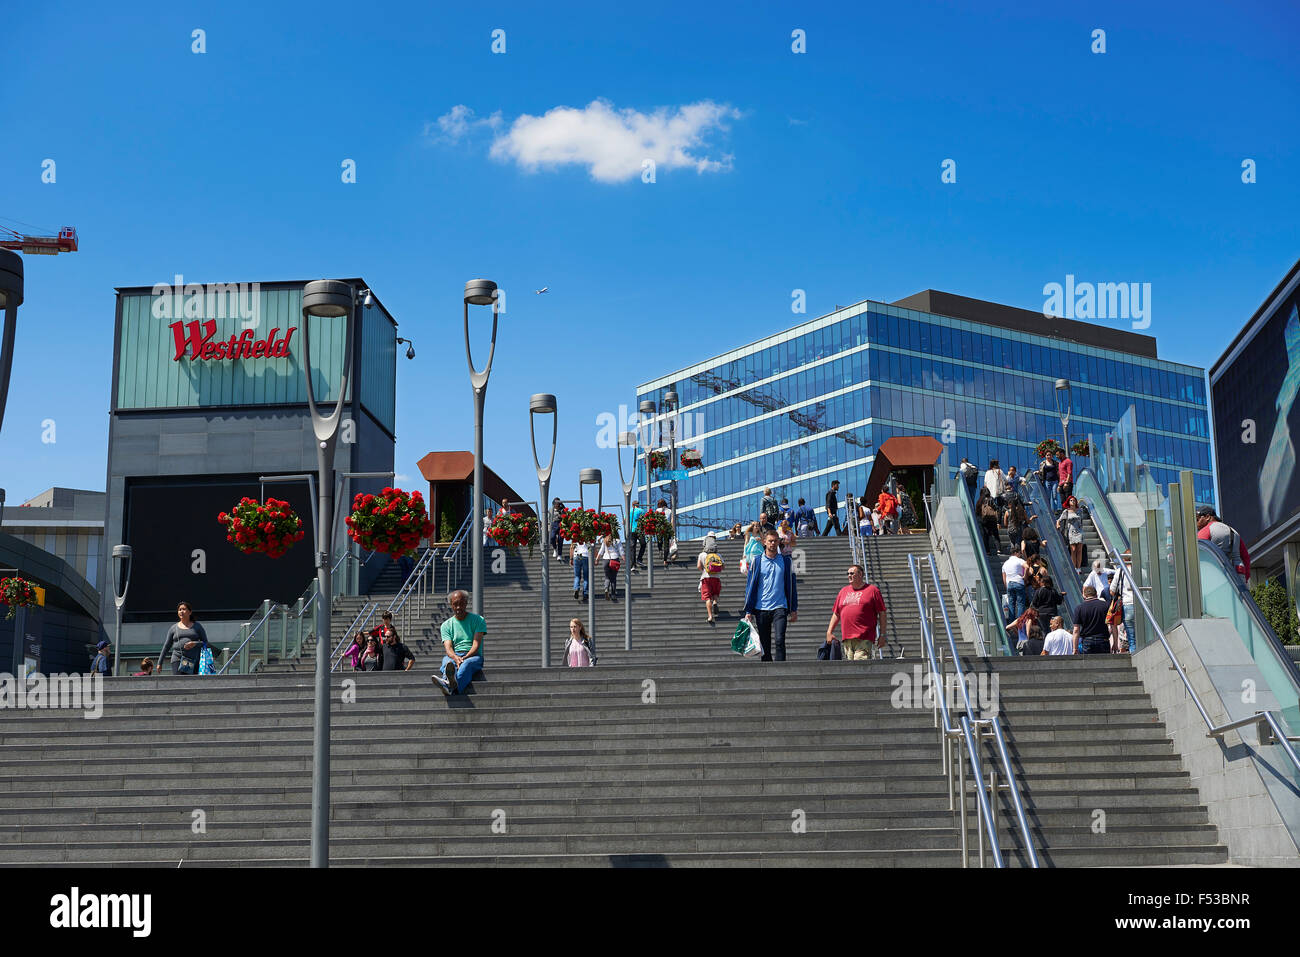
(713, 563)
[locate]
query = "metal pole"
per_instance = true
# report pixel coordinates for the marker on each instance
(544, 403)
(961, 797)
(480, 292)
(327, 299)
(11, 296)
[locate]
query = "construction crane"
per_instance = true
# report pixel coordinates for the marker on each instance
(65, 242)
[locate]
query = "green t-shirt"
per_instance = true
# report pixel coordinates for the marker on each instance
(461, 633)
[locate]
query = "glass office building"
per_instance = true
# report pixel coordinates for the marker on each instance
(798, 409)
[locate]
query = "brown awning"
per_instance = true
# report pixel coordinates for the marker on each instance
(459, 467)
(901, 451)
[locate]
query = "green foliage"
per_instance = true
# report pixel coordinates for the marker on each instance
(1278, 609)
(447, 522)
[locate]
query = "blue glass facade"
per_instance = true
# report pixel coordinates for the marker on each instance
(796, 410)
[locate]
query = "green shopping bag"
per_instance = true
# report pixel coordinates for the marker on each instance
(745, 642)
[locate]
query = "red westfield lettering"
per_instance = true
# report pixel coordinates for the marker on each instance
(197, 337)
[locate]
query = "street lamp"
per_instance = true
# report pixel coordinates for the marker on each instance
(11, 297)
(122, 552)
(479, 292)
(670, 405)
(648, 408)
(544, 404)
(1062, 396)
(325, 299)
(628, 440)
(590, 477)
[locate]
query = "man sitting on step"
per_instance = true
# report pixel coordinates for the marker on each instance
(462, 638)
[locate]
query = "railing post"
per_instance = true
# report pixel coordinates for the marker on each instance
(284, 630)
(961, 797)
(243, 648)
(266, 634)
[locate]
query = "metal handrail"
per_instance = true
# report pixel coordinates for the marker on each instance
(986, 573)
(1066, 581)
(965, 595)
(231, 657)
(1259, 718)
(948, 733)
(367, 612)
(994, 722)
(857, 547)
(1253, 609)
(455, 550)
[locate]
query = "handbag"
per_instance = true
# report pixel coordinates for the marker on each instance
(187, 666)
(745, 642)
(832, 652)
(206, 664)
(614, 564)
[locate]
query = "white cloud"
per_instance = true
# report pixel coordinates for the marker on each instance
(458, 122)
(612, 144)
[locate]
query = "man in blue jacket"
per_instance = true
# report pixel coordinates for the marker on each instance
(771, 597)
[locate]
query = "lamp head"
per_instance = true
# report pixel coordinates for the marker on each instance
(327, 299)
(670, 399)
(543, 403)
(410, 351)
(647, 407)
(122, 551)
(627, 439)
(589, 476)
(480, 292)
(11, 278)
(1062, 384)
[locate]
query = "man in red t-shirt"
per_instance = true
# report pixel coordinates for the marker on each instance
(860, 614)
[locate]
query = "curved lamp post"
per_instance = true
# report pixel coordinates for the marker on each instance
(479, 292)
(1062, 397)
(590, 477)
(324, 299)
(122, 552)
(648, 409)
(11, 297)
(543, 403)
(670, 405)
(627, 440)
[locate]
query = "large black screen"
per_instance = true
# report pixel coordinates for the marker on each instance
(167, 520)
(1257, 426)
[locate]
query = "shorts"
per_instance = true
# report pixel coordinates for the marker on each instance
(710, 588)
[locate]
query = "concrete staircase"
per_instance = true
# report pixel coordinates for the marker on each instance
(677, 753)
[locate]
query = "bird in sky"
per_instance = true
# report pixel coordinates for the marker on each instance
(542, 290)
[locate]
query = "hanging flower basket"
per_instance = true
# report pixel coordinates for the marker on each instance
(656, 525)
(270, 528)
(659, 460)
(392, 522)
(514, 529)
(578, 524)
(1049, 445)
(691, 459)
(1080, 448)
(17, 593)
(605, 523)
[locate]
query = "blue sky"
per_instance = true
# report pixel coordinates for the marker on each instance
(817, 171)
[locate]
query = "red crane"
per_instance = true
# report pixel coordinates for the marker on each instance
(65, 242)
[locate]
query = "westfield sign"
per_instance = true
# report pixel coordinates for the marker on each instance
(197, 337)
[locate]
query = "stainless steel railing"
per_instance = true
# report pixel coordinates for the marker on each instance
(969, 732)
(1268, 727)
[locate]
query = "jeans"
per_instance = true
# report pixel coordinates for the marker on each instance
(465, 672)
(1128, 625)
(771, 633)
(580, 574)
(1016, 598)
(1094, 646)
(1051, 495)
